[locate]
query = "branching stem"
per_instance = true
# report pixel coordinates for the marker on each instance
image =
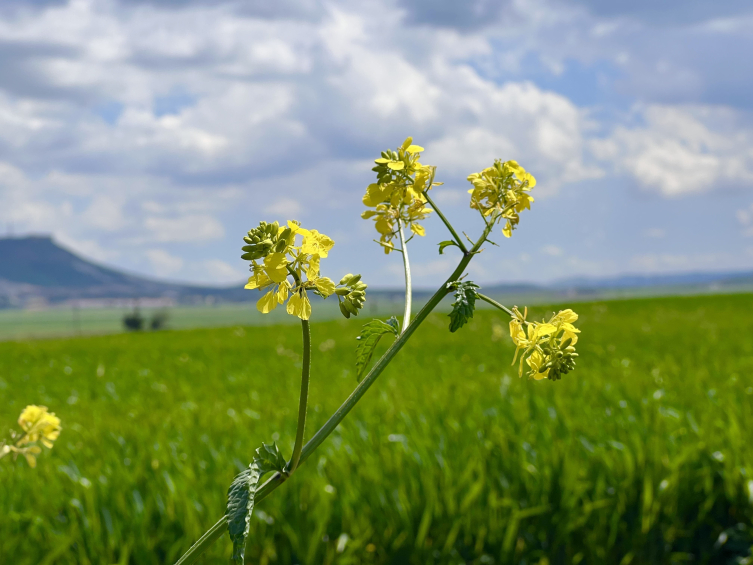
(216, 531)
(447, 223)
(495, 304)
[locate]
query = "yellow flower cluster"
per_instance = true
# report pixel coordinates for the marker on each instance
(501, 192)
(398, 194)
(39, 426)
(548, 346)
(278, 257)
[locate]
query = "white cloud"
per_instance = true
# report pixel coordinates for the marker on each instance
(195, 227)
(217, 271)
(106, 213)
(281, 112)
(745, 217)
(552, 250)
(681, 150)
(285, 207)
(163, 264)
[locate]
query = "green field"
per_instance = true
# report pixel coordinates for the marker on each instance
(66, 322)
(643, 455)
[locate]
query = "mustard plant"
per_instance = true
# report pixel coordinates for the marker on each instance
(285, 260)
(38, 427)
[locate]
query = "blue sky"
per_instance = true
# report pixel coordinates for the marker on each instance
(151, 134)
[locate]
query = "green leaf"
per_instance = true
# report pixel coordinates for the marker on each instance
(464, 305)
(446, 244)
(240, 505)
(270, 458)
(368, 340)
(242, 492)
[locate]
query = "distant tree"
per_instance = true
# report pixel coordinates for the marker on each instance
(134, 321)
(159, 320)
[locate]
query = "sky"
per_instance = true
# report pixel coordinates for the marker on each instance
(150, 135)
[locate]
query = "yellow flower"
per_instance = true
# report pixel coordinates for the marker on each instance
(276, 267)
(267, 303)
(299, 305)
(39, 425)
(398, 195)
(316, 243)
(501, 193)
(324, 285)
(548, 346)
(275, 257)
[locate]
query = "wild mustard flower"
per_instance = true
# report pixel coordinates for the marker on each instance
(501, 192)
(39, 426)
(285, 261)
(548, 347)
(398, 194)
(275, 257)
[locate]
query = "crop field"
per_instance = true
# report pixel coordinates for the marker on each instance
(69, 322)
(643, 455)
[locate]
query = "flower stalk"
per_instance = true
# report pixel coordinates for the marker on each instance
(305, 374)
(408, 283)
(398, 197)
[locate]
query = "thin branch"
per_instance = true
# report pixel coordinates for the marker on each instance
(495, 304)
(443, 218)
(387, 245)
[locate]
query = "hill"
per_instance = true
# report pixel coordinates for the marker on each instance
(36, 269)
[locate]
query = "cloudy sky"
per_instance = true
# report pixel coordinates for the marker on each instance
(151, 134)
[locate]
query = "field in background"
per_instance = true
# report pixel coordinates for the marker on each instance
(643, 455)
(17, 324)
(66, 321)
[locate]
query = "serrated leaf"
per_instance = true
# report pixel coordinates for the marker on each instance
(466, 293)
(242, 493)
(368, 340)
(240, 505)
(270, 458)
(444, 244)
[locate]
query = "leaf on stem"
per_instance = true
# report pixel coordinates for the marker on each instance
(368, 340)
(241, 495)
(444, 244)
(466, 293)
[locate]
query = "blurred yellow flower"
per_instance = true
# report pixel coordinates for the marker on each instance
(39, 425)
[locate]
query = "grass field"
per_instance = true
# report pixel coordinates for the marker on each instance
(642, 455)
(68, 322)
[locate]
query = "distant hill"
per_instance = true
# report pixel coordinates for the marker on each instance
(37, 269)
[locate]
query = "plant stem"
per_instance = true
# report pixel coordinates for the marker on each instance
(305, 373)
(447, 223)
(408, 285)
(495, 303)
(216, 531)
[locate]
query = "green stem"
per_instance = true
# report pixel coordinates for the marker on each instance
(305, 373)
(495, 303)
(447, 223)
(408, 283)
(216, 531)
